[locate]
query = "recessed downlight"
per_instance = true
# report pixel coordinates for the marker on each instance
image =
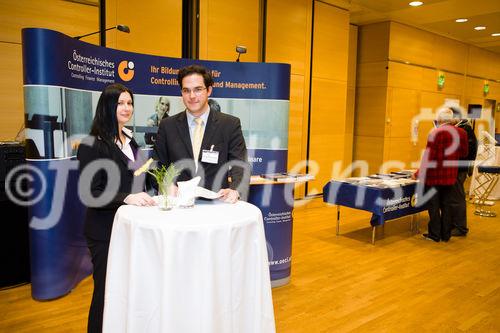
(416, 3)
(496, 34)
(480, 27)
(461, 20)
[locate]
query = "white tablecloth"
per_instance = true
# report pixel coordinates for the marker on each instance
(203, 269)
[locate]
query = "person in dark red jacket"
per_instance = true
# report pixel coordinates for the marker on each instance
(446, 145)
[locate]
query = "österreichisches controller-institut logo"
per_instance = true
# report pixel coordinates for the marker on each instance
(126, 70)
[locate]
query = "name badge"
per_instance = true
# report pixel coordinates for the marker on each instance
(210, 156)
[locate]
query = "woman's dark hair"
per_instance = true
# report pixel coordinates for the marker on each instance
(195, 69)
(105, 124)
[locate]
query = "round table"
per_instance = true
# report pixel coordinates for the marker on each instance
(202, 269)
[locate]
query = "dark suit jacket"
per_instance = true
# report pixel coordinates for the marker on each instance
(99, 217)
(223, 132)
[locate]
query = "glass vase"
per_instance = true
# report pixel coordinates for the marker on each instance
(167, 199)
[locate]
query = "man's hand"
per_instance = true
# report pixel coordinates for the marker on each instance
(139, 199)
(228, 195)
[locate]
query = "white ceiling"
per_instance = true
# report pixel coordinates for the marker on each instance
(436, 16)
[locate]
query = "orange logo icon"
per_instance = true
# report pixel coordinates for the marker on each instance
(413, 201)
(126, 70)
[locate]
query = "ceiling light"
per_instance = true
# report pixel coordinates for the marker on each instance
(416, 3)
(461, 20)
(496, 34)
(479, 28)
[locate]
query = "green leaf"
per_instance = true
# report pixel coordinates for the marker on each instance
(164, 175)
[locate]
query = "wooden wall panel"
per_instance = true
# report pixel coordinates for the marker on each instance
(411, 44)
(288, 36)
(434, 100)
(224, 26)
(474, 87)
(352, 56)
(329, 106)
(69, 18)
(370, 111)
(372, 74)
(405, 76)
(494, 91)
(371, 95)
(403, 105)
(483, 63)
(370, 150)
(450, 55)
(419, 78)
(288, 40)
(326, 149)
(329, 90)
(331, 42)
(351, 93)
(453, 83)
(373, 43)
(11, 87)
(397, 150)
(349, 127)
(418, 47)
(424, 128)
(112, 19)
(155, 26)
(296, 134)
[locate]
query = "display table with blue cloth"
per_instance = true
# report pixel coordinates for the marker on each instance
(385, 203)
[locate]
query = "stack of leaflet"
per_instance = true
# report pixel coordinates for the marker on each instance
(382, 180)
(404, 173)
(287, 177)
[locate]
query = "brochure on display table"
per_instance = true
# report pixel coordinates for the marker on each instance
(395, 179)
(285, 176)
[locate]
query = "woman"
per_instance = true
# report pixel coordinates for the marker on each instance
(108, 158)
(162, 110)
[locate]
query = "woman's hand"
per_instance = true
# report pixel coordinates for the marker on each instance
(139, 199)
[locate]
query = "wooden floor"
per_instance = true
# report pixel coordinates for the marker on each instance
(403, 283)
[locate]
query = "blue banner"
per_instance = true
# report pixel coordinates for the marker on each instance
(64, 61)
(63, 78)
(278, 225)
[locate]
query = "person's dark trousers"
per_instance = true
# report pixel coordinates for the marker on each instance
(99, 252)
(440, 212)
(457, 197)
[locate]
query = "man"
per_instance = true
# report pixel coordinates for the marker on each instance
(203, 141)
(459, 226)
(446, 144)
